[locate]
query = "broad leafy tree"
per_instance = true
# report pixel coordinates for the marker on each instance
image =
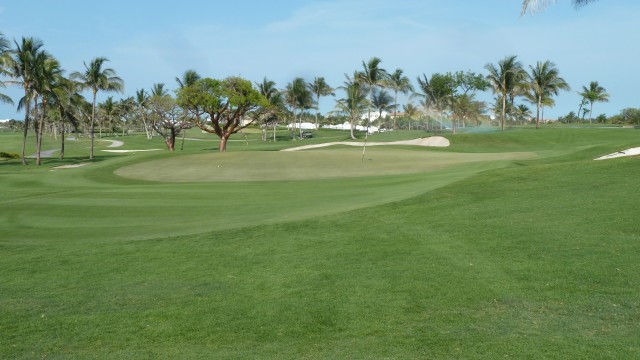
(98, 78)
(168, 119)
(544, 83)
(319, 88)
(592, 94)
(398, 83)
(220, 106)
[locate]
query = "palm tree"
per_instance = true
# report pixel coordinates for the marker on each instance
(97, 78)
(141, 100)
(47, 79)
(399, 83)
(319, 87)
(354, 103)
(594, 93)
(188, 78)
(158, 90)
(545, 82)
(268, 89)
(410, 112)
(4, 46)
(536, 5)
(522, 112)
(298, 97)
(21, 67)
(372, 76)
(382, 101)
(436, 91)
(68, 101)
(504, 78)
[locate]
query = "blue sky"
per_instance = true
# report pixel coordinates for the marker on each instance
(153, 42)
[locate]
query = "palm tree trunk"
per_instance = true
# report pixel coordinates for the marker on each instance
(61, 141)
(318, 110)
(538, 112)
(274, 131)
(26, 127)
(92, 127)
(590, 111)
(395, 110)
(39, 133)
(504, 109)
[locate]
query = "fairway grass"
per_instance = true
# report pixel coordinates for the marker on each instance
(494, 257)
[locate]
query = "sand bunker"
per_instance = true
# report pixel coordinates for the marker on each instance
(628, 152)
(114, 143)
(71, 166)
(128, 151)
(432, 141)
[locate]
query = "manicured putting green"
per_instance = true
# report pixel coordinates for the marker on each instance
(303, 165)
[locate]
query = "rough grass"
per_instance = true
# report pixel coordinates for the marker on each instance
(533, 260)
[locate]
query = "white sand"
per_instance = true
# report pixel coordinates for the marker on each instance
(628, 152)
(72, 166)
(128, 151)
(114, 143)
(433, 141)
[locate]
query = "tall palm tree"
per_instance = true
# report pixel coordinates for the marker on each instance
(436, 91)
(399, 83)
(47, 79)
(21, 66)
(536, 5)
(298, 97)
(141, 100)
(319, 87)
(97, 78)
(68, 101)
(372, 76)
(275, 98)
(594, 93)
(354, 103)
(545, 82)
(4, 47)
(504, 78)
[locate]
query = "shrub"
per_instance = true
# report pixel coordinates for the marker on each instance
(8, 155)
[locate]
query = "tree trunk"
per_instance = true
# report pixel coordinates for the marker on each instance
(395, 111)
(39, 133)
(223, 143)
(538, 112)
(353, 137)
(26, 128)
(590, 112)
(317, 111)
(92, 127)
(504, 109)
(61, 141)
(274, 131)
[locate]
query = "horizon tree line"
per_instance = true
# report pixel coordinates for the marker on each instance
(52, 97)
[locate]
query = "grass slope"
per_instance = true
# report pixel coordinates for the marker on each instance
(536, 260)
